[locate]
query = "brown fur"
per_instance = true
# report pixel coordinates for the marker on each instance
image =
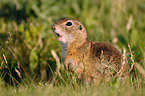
(91, 61)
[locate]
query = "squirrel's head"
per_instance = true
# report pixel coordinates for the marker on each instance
(68, 30)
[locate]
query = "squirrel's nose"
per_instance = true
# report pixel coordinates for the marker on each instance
(53, 27)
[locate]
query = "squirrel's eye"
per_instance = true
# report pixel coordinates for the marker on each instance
(68, 23)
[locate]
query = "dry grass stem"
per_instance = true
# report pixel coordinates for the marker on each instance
(58, 66)
(131, 58)
(140, 69)
(5, 58)
(128, 26)
(120, 72)
(1, 64)
(57, 59)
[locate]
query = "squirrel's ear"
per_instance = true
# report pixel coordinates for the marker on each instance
(80, 27)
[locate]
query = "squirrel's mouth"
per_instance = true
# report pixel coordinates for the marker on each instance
(57, 34)
(59, 37)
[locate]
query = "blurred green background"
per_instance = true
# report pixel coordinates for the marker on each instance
(26, 38)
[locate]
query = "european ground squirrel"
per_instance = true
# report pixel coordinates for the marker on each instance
(91, 61)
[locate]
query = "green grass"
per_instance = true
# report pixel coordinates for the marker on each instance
(92, 90)
(26, 42)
